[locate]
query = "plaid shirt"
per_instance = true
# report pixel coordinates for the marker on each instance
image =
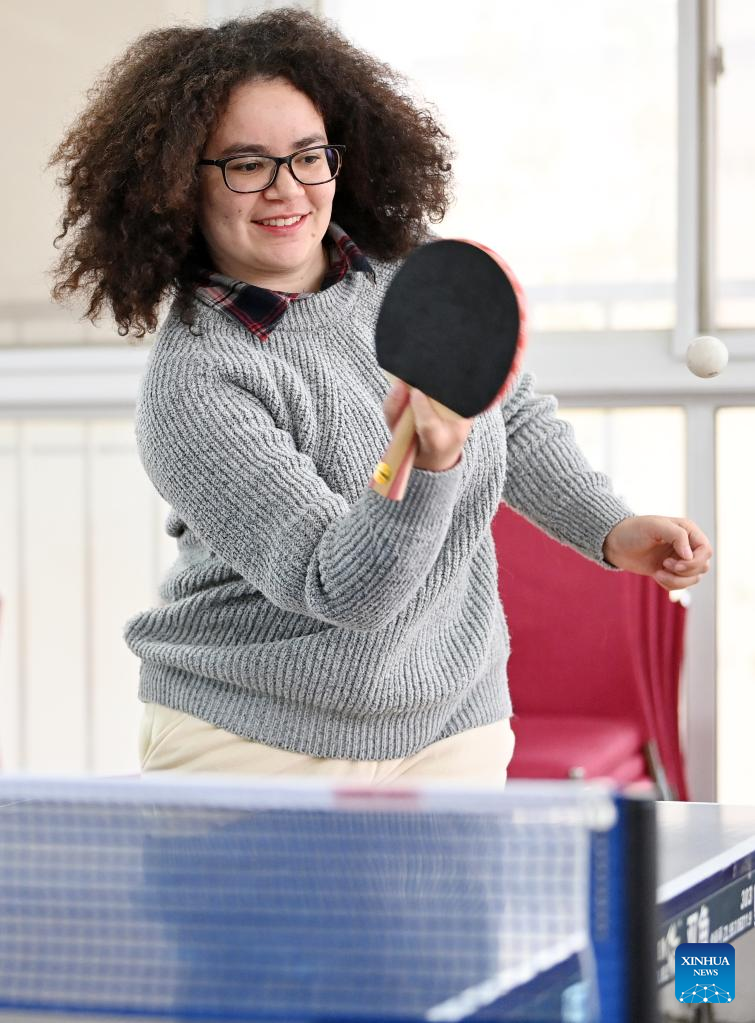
(259, 309)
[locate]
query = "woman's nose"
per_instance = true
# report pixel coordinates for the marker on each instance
(285, 183)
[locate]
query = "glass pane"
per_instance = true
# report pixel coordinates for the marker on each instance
(735, 559)
(735, 195)
(565, 126)
(641, 449)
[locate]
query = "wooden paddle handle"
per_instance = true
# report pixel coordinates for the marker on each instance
(391, 474)
(392, 471)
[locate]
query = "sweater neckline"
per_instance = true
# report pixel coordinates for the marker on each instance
(314, 311)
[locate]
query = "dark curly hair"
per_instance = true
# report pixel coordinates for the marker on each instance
(129, 160)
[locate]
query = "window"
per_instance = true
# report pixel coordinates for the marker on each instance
(735, 166)
(641, 449)
(564, 120)
(735, 484)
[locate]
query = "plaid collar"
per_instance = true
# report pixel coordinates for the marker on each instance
(259, 309)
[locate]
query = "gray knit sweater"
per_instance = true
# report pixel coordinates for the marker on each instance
(304, 610)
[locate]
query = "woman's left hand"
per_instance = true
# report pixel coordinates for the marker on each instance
(675, 552)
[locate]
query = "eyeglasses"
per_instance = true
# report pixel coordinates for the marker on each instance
(251, 172)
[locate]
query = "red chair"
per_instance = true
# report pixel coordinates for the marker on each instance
(595, 664)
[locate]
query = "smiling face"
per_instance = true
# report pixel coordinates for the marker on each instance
(270, 118)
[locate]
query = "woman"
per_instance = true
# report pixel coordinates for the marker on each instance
(270, 178)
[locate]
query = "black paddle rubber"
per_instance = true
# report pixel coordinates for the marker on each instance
(450, 325)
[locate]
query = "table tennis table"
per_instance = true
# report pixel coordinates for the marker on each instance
(295, 903)
(705, 894)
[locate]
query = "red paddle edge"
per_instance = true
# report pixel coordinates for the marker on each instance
(521, 301)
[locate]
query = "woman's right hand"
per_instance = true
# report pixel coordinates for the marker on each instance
(440, 439)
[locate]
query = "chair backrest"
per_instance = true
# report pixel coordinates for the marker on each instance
(588, 641)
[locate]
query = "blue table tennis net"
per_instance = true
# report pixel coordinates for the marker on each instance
(288, 903)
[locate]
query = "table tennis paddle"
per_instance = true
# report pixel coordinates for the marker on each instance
(452, 324)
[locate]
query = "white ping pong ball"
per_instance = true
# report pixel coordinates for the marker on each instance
(707, 356)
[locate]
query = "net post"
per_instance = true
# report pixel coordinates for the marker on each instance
(641, 909)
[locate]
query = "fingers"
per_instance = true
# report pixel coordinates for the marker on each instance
(427, 420)
(695, 550)
(663, 531)
(672, 581)
(678, 575)
(696, 536)
(699, 542)
(698, 566)
(674, 551)
(440, 437)
(441, 433)
(395, 402)
(681, 544)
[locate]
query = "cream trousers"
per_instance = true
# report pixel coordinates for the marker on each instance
(170, 740)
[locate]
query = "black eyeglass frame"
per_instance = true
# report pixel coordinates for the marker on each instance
(279, 162)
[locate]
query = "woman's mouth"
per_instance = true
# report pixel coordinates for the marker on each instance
(282, 225)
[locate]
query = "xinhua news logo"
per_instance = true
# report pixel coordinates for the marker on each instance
(704, 973)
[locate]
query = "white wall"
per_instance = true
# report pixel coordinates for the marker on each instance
(50, 54)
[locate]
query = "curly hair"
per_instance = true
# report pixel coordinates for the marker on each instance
(129, 160)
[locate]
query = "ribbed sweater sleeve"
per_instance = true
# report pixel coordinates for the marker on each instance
(214, 451)
(549, 480)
